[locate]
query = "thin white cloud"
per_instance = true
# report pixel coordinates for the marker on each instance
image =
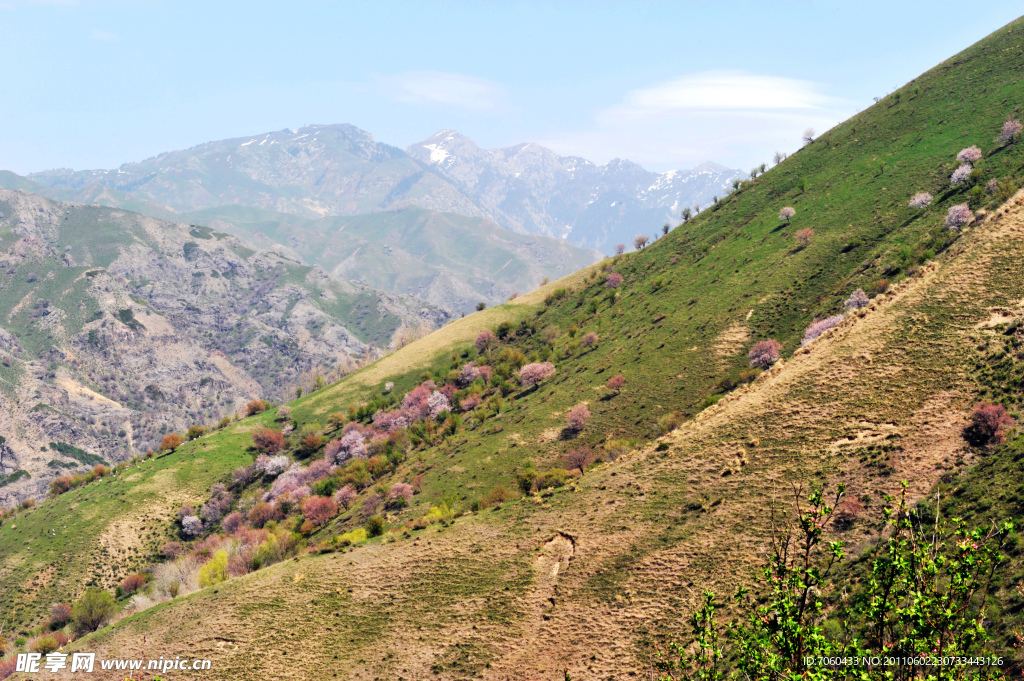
(434, 88)
(732, 117)
(105, 36)
(729, 90)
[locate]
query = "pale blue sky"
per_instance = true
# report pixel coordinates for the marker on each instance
(93, 84)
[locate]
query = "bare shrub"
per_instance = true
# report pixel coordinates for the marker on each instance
(989, 423)
(579, 458)
(60, 614)
(970, 154)
(177, 577)
(848, 511)
(370, 505)
(857, 300)
(920, 200)
(819, 327)
(577, 417)
(242, 476)
(405, 335)
(958, 216)
(764, 353)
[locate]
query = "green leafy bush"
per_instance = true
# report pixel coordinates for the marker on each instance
(92, 610)
(375, 525)
(925, 596)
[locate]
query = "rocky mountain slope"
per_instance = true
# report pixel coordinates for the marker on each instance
(116, 328)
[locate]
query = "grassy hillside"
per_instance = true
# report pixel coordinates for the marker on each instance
(99, 534)
(597, 573)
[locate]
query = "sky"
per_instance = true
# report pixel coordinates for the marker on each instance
(94, 83)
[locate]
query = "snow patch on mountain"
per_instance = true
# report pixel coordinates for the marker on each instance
(437, 154)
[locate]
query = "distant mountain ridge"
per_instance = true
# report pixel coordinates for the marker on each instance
(449, 260)
(529, 188)
(341, 170)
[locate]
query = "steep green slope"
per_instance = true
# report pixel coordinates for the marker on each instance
(616, 558)
(449, 260)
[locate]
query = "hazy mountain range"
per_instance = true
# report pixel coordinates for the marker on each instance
(340, 170)
(528, 188)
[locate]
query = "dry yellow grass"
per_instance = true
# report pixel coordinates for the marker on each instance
(731, 341)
